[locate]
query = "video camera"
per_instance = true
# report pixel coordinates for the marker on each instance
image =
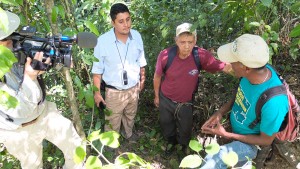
(58, 48)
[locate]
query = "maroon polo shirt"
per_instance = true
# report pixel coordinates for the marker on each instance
(181, 77)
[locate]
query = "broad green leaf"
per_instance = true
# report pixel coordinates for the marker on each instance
(87, 60)
(81, 94)
(77, 82)
(265, 36)
(7, 58)
(257, 24)
(95, 135)
(135, 158)
(212, 148)
(54, 14)
(92, 27)
(230, 159)
(295, 32)
(10, 2)
(120, 160)
(107, 112)
(195, 145)
(268, 28)
(110, 139)
(61, 11)
(266, 3)
(20, 2)
(296, 7)
(7, 101)
(191, 161)
(274, 36)
(164, 32)
(93, 162)
(69, 32)
(89, 97)
(275, 47)
(3, 20)
(79, 154)
(294, 52)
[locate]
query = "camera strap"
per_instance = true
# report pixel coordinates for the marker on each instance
(38, 65)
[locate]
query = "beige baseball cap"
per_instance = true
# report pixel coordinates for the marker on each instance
(185, 27)
(13, 22)
(251, 50)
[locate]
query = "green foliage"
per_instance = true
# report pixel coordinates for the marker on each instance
(195, 145)
(79, 154)
(7, 101)
(191, 161)
(194, 161)
(93, 162)
(212, 148)
(230, 159)
(3, 21)
(295, 32)
(7, 161)
(217, 22)
(6, 61)
(110, 139)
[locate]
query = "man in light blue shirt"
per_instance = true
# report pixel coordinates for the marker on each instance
(121, 66)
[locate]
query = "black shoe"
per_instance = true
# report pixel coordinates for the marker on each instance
(169, 151)
(263, 155)
(284, 151)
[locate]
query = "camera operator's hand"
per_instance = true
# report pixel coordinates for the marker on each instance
(29, 71)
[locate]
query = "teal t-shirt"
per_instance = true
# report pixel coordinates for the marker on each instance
(243, 110)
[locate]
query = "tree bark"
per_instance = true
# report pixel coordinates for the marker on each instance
(67, 77)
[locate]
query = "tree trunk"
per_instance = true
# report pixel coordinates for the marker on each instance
(67, 76)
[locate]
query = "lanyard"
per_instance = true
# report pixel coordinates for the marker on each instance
(120, 55)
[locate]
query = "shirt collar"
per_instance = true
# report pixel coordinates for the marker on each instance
(113, 37)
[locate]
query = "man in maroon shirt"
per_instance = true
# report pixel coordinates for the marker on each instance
(173, 94)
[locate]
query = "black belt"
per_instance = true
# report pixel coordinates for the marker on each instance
(30, 122)
(111, 87)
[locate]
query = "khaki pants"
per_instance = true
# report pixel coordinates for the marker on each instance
(123, 104)
(25, 143)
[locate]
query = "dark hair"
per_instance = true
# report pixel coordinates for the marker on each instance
(116, 9)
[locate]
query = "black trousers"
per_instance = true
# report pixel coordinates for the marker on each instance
(176, 120)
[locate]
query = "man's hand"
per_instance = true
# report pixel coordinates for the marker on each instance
(98, 99)
(228, 69)
(212, 121)
(156, 101)
(29, 71)
(216, 129)
(142, 85)
(142, 78)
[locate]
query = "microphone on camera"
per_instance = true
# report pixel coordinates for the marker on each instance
(82, 39)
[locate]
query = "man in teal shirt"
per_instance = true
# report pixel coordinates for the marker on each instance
(249, 55)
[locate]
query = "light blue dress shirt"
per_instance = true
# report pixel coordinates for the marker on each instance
(115, 57)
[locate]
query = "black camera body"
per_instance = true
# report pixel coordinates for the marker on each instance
(25, 44)
(58, 48)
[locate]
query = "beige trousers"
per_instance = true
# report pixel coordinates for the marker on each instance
(123, 104)
(25, 143)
